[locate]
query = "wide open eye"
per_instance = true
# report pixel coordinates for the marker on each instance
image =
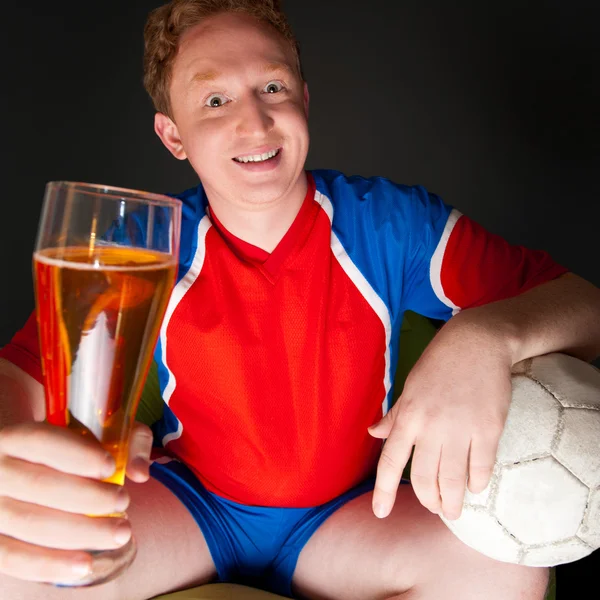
(273, 87)
(216, 100)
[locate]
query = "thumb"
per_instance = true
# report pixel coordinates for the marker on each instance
(382, 429)
(140, 446)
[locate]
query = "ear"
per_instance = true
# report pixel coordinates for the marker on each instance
(168, 133)
(306, 99)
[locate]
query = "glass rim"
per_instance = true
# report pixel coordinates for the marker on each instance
(116, 193)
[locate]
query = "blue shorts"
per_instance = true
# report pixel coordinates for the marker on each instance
(250, 545)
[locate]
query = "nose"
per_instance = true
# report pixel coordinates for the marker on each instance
(254, 118)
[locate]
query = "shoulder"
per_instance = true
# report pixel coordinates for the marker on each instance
(375, 198)
(336, 185)
(194, 206)
(194, 201)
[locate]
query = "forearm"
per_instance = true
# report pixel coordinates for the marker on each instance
(559, 316)
(21, 397)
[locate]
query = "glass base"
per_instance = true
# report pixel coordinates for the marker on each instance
(107, 565)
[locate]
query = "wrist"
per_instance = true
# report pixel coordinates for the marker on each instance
(489, 328)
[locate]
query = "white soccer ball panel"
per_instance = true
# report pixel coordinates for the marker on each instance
(540, 502)
(589, 531)
(578, 447)
(478, 529)
(531, 422)
(556, 554)
(480, 499)
(572, 381)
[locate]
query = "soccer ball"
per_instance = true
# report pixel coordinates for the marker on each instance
(542, 505)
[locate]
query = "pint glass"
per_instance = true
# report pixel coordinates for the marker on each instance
(104, 267)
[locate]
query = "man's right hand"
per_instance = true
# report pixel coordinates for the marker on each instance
(50, 481)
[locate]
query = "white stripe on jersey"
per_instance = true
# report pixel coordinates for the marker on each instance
(173, 436)
(177, 295)
(435, 267)
(364, 287)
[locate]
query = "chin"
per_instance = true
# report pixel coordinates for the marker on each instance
(258, 198)
(263, 194)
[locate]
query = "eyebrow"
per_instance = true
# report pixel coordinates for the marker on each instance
(212, 75)
(276, 66)
(201, 77)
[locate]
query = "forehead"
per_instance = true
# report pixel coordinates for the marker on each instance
(230, 42)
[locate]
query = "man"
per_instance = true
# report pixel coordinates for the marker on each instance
(276, 360)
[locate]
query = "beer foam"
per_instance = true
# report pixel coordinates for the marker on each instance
(162, 261)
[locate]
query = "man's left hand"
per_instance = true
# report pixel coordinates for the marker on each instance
(452, 410)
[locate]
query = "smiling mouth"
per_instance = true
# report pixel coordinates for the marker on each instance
(257, 158)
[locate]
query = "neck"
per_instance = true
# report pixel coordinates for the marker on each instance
(261, 225)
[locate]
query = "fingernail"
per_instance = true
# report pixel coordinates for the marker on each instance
(81, 568)
(109, 466)
(122, 533)
(122, 500)
(379, 510)
(141, 463)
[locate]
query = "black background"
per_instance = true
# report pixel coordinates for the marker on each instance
(492, 105)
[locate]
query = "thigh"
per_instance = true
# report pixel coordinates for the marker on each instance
(172, 554)
(410, 554)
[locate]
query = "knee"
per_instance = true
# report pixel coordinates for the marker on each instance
(483, 577)
(498, 579)
(451, 565)
(533, 581)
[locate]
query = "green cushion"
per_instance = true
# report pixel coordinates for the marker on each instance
(416, 332)
(150, 408)
(220, 591)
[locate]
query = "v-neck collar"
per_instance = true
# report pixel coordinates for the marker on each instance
(270, 263)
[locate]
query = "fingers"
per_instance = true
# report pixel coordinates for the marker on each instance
(53, 528)
(481, 462)
(439, 469)
(140, 446)
(50, 482)
(424, 472)
(453, 476)
(71, 453)
(37, 484)
(34, 563)
(382, 429)
(439, 474)
(394, 456)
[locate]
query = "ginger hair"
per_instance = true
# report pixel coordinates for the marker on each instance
(167, 23)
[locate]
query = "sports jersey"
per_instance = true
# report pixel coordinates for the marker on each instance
(272, 366)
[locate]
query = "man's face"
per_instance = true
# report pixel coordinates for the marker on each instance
(237, 99)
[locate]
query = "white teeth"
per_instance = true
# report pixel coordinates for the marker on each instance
(257, 157)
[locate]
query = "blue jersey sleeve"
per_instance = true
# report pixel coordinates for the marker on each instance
(427, 220)
(391, 232)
